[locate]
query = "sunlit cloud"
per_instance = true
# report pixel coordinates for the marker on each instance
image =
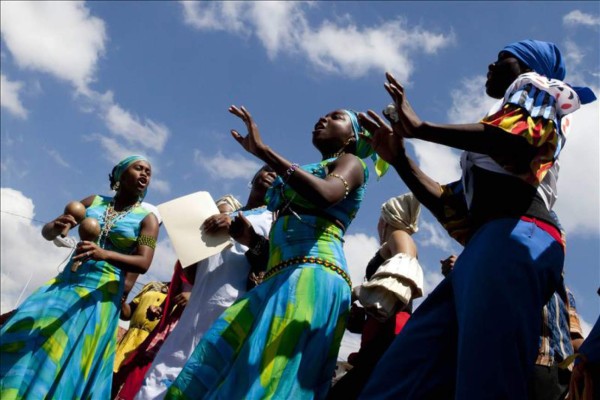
(283, 27)
(228, 167)
(577, 17)
(9, 97)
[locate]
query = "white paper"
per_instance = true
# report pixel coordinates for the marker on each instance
(183, 219)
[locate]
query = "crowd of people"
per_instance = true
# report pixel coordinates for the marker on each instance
(265, 317)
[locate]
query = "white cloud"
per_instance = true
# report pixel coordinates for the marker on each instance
(359, 248)
(55, 155)
(215, 16)
(470, 103)
(160, 185)
(578, 204)
(147, 133)
(283, 27)
(224, 167)
(435, 236)
(27, 259)
(114, 149)
(279, 25)
(441, 163)
(63, 39)
(573, 57)
(60, 38)
(577, 17)
(9, 97)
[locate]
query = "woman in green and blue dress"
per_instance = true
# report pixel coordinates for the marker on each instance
(60, 343)
(282, 338)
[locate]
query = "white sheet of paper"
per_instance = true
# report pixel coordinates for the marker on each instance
(183, 219)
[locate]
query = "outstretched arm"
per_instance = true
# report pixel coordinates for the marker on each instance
(511, 149)
(321, 192)
(390, 147)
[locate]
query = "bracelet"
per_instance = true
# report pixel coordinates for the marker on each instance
(147, 240)
(288, 173)
(345, 182)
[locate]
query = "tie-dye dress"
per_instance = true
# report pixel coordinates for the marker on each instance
(282, 338)
(60, 343)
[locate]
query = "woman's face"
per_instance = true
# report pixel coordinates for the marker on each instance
(334, 129)
(136, 177)
(263, 179)
(502, 73)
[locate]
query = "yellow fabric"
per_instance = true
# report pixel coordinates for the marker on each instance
(139, 326)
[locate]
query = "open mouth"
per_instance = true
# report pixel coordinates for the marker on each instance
(142, 182)
(319, 126)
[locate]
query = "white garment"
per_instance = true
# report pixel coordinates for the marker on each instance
(395, 283)
(219, 281)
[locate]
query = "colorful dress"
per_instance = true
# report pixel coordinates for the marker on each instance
(152, 294)
(282, 338)
(220, 280)
(60, 343)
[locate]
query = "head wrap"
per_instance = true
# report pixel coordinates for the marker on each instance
(402, 212)
(121, 167)
(546, 59)
(229, 200)
(363, 148)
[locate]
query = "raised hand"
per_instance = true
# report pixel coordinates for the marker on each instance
(383, 139)
(241, 230)
(408, 121)
(252, 142)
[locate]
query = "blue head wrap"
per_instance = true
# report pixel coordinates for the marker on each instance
(363, 148)
(546, 59)
(122, 166)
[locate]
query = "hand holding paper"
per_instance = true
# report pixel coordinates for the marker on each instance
(183, 219)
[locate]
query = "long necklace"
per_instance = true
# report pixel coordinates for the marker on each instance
(111, 217)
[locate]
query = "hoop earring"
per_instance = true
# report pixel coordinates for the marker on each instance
(116, 186)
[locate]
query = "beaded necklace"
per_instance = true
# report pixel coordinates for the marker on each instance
(111, 217)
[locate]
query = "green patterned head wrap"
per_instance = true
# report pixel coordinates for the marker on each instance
(363, 148)
(121, 167)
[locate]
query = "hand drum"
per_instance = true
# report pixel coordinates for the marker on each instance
(89, 229)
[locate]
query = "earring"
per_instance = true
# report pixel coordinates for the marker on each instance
(116, 186)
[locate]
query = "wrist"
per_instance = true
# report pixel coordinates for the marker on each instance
(264, 153)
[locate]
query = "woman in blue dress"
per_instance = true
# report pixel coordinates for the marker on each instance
(60, 343)
(281, 340)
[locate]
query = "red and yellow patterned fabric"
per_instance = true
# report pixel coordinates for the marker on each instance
(536, 108)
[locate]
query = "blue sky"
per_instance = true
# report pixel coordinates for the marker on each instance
(84, 84)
